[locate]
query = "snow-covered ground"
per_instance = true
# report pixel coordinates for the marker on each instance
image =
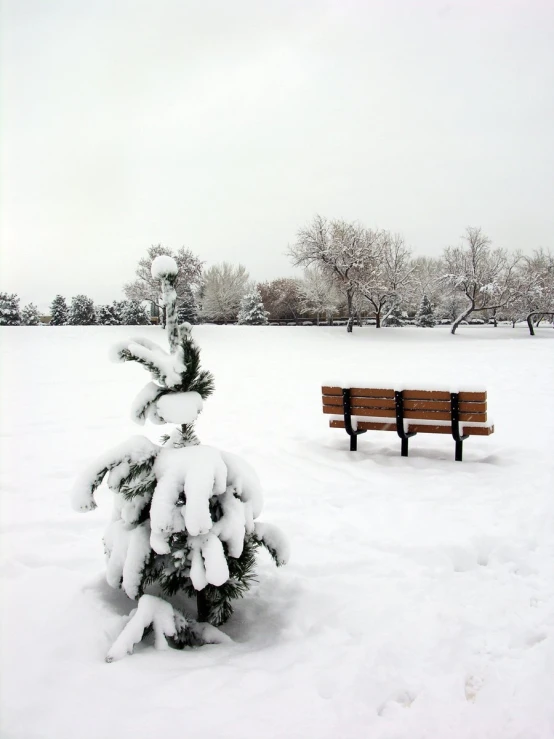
(419, 600)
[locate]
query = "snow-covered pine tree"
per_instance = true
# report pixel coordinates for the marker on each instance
(9, 310)
(59, 312)
(252, 311)
(105, 316)
(134, 314)
(184, 513)
(188, 310)
(30, 315)
(425, 316)
(81, 312)
(396, 317)
(118, 309)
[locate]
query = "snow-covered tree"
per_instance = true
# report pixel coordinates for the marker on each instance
(134, 314)
(343, 251)
(252, 311)
(485, 278)
(425, 316)
(105, 316)
(30, 315)
(534, 291)
(396, 317)
(319, 294)
(188, 310)
(59, 312)
(117, 308)
(386, 280)
(224, 286)
(145, 288)
(9, 310)
(426, 280)
(184, 517)
(282, 298)
(81, 311)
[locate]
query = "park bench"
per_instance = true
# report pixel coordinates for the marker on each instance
(411, 412)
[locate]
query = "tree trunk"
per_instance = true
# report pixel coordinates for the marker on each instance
(461, 318)
(202, 605)
(350, 322)
(383, 321)
(378, 318)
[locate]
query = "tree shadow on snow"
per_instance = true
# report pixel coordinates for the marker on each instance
(113, 600)
(260, 618)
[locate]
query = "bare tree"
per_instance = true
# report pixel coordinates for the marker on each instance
(145, 288)
(534, 291)
(339, 249)
(427, 275)
(485, 277)
(282, 298)
(319, 294)
(387, 281)
(224, 286)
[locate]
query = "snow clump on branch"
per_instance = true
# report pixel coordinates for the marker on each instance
(164, 266)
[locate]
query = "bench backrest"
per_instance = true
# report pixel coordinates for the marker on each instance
(432, 405)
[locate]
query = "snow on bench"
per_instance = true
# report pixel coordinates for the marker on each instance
(359, 409)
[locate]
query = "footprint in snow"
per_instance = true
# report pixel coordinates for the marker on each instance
(402, 698)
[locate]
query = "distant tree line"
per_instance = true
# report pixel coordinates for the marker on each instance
(351, 273)
(363, 275)
(80, 312)
(376, 275)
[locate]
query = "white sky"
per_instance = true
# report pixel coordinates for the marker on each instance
(225, 126)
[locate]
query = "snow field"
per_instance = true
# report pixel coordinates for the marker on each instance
(419, 599)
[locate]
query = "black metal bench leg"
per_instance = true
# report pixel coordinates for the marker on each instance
(352, 433)
(404, 436)
(455, 420)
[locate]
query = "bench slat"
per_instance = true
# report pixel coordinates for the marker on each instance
(407, 394)
(444, 405)
(419, 428)
(337, 401)
(409, 405)
(363, 392)
(469, 430)
(443, 395)
(366, 425)
(391, 413)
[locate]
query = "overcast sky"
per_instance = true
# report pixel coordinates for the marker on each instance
(225, 126)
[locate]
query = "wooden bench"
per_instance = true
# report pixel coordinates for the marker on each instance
(411, 412)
